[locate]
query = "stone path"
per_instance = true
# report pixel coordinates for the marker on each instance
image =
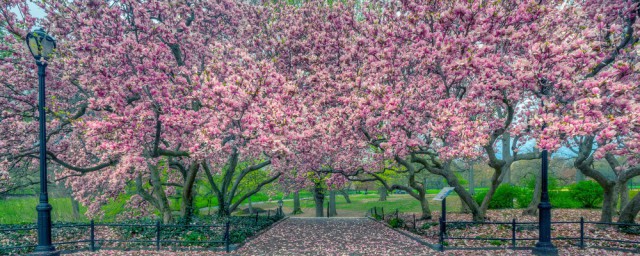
(332, 236)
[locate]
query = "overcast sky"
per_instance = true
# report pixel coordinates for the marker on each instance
(33, 9)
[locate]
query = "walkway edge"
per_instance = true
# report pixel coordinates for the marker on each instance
(240, 245)
(405, 233)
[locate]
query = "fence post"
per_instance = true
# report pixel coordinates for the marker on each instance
(414, 222)
(375, 209)
(513, 233)
(382, 208)
(396, 213)
(92, 237)
(227, 237)
(158, 235)
(442, 230)
(256, 218)
(581, 232)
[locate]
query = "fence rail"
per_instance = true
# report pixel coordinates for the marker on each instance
(151, 235)
(378, 213)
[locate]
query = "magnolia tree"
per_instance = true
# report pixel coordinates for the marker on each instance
(144, 94)
(153, 96)
(315, 45)
(441, 83)
(593, 109)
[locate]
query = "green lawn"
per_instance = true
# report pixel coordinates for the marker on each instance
(23, 210)
(361, 203)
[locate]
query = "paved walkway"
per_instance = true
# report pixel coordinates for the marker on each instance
(332, 236)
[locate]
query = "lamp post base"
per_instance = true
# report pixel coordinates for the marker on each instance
(546, 249)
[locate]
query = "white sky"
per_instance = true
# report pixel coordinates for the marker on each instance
(33, 9)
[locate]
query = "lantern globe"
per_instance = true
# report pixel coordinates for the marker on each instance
(40, 44)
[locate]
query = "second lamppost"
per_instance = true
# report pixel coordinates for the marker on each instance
(544, 245)
(42, 46)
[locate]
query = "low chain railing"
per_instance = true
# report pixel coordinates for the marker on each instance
(94, 236)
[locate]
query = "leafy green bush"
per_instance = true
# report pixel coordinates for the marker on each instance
(503, 197)
(588, 193)
(428, 225)
(563, 199)
(396, 223)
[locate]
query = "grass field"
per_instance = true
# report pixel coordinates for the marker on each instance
(23, 210)
(361, 203)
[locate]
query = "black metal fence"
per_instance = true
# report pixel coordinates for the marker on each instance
(580, 240)
(516, 239)
(94, 236)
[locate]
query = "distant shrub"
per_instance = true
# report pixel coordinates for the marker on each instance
(588, 193)
(503, 197)
(563, 199)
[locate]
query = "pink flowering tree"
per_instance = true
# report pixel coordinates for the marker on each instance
(445, 87)
(144, 94)
(593, 109)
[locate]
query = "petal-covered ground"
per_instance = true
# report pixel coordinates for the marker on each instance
(332, 236)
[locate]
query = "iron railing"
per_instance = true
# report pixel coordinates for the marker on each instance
(94, 236)
(581, 239)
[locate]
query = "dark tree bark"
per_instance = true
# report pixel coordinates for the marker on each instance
(383, 194)
(75, 207)
(187, 207)
(296, 203)
(318, 196)
(623, 191)
(345, 194)
(472, 181)
(532, 208)
(332, 203)
(630, 211)
(608, 204)
(464, 208)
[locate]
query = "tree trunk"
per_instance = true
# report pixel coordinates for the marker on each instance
(296, 203)
(506, 173)
(623, 191)
(532, 208)
(187, 207)
(464, 208)
(250, 205)
(608, 204)
(332, 203)
(424, 205)
(478, 212)
(75, 207)
(222, 206)
(158, 191)
(345, 194)
(318, 195)
(630, 211)
(471, 181)
(383, 193)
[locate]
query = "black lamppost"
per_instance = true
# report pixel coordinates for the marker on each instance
(41, 46)
(544, 245)
(280, 203)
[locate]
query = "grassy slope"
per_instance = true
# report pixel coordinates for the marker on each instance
(23, 210)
